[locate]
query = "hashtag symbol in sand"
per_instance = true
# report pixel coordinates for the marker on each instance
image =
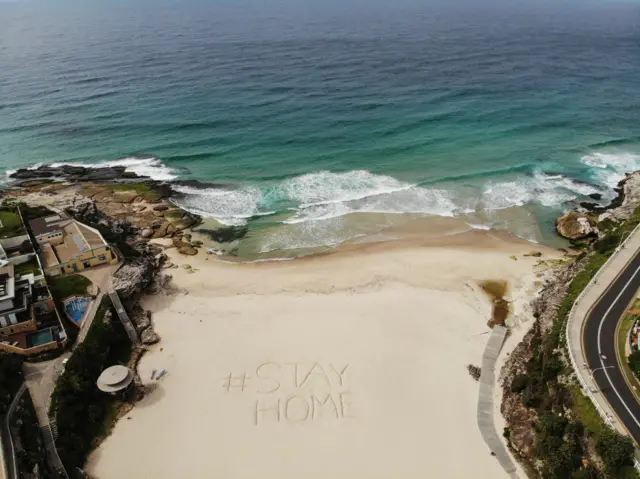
(235, 382)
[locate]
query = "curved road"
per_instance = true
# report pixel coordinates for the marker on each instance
(599, 346)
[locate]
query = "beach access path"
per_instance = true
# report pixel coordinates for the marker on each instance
(486, 422)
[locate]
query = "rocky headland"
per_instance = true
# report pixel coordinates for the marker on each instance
(540, 395)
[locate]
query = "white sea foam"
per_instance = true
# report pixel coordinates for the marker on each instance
(231, 207)
(547, 190)
(325, 187)
(479, 226)
(612, 167)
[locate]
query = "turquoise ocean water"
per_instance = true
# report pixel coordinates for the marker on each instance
(323, 122)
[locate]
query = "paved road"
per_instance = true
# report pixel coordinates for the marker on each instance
(599, 344)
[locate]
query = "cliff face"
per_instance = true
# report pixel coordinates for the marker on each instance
(575, 225)
(627, 201)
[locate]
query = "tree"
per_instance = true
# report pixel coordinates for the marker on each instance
(615, 450)
(634, 362)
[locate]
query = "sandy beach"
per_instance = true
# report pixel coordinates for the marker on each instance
(348, 365)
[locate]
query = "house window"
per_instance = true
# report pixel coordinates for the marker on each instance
(102, 257)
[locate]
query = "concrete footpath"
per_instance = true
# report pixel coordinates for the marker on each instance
(486, 423)
(581, 308)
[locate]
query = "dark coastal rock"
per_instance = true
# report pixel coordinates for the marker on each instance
(25, 174)
(149, 336)
(574, 225)
(592, 207)
(226, 234)
(595, 196)
(134, 277)
(140, 318)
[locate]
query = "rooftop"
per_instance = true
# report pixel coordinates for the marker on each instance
(48, 224)
(114, 379)
(77, 239)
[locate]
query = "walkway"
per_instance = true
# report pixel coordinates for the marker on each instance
(38, 381)
(124, 318)
(485, 401)
(10, 469)
(99, 277)
(580, 311)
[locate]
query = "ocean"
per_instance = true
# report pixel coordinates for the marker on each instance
(322, 123)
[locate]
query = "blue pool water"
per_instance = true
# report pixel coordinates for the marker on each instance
(39, 338)
(76, 308)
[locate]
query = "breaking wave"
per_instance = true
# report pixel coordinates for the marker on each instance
(325, 195)
(609, 168)
(143, 165)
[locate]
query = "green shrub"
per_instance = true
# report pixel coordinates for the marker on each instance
(634, 362)
(81, 410)
(615, 450)
(519, 383)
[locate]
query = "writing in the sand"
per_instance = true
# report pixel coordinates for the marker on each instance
(295, 392)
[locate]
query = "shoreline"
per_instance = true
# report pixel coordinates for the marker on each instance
(352, 286)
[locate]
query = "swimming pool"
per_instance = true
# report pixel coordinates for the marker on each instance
(76, 307)
(39, 338)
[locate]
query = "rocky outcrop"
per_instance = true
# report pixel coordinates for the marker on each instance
(628, 199)
(149, 336)
(575, 225)
(134, 277)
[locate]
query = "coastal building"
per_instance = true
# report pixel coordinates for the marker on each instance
(116, 380)
(68, 246)
(29, 321)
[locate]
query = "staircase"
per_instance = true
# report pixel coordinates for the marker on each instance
(124, 318)
(54, 427)
(50, 445)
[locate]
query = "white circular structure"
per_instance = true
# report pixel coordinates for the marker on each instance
(115, 379)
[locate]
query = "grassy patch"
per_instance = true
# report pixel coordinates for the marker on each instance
(11, 224)
(587, 412)
(62, 287)
(144, 190)
(30, 266)
(623, 336)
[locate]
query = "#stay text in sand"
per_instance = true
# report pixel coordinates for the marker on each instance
(294, 392)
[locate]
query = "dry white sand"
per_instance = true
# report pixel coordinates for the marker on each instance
(351, 365)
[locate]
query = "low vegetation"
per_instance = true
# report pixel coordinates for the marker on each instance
(62, 287)
(11, 223)
(28, 267)
(32, 452)
(81, 410)
(10, 379)
(144, 190)
(569, 428)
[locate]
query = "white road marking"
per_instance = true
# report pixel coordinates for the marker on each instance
(600, 348)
